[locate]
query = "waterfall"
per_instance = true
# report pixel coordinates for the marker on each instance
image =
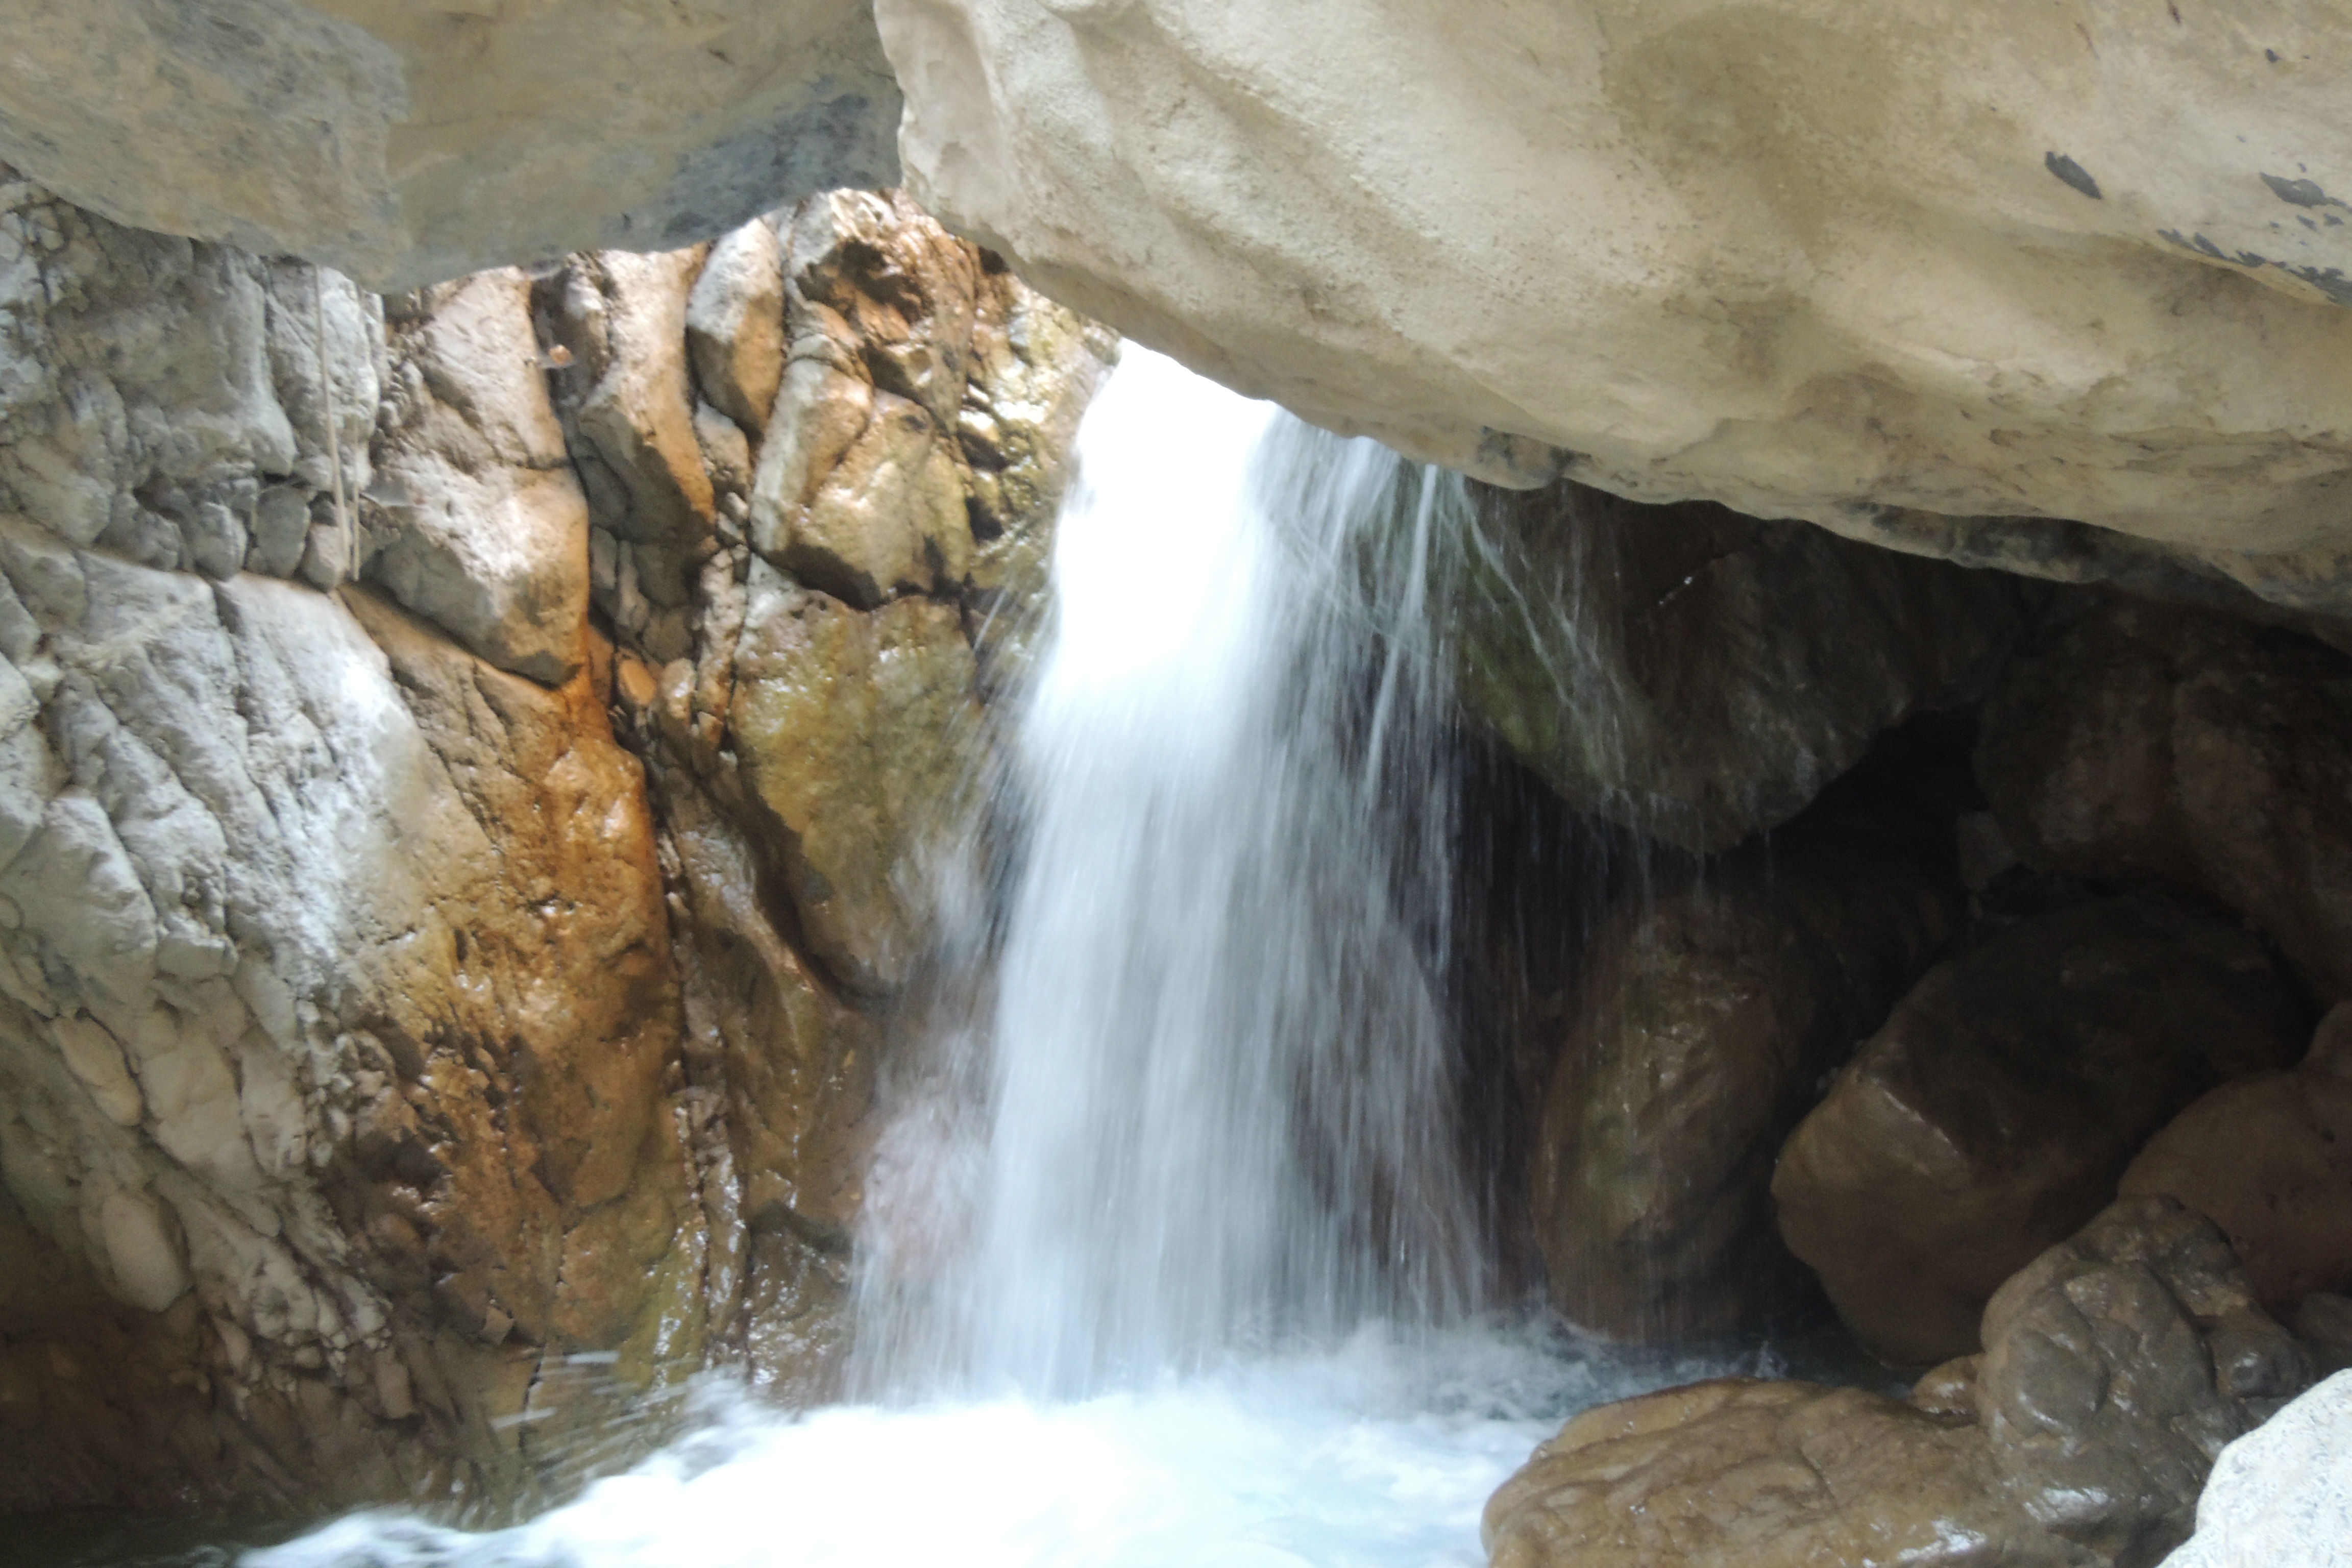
(1216, 1109)
(1169, 1259)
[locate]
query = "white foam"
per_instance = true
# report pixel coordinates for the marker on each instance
(1370, 1458)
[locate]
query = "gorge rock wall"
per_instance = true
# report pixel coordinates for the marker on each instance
(2085, 263)
(455, 884)
(2057, 288)
(409, 142)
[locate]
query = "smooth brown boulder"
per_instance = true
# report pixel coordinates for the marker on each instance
(2137, 746)
(2119, 1364)
(1994, 1112)
(2269, 1159)
(1703, 1021)
(1744, 1473)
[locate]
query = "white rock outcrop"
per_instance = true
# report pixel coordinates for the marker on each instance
(2281, 1496)
(406, 142)
(2090, 261)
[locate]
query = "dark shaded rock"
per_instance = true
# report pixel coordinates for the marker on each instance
(1700, 1030)
(2147, 747)
(1994, 1112)
(2269, 1159)
(1697, 674)
(2117, 1366)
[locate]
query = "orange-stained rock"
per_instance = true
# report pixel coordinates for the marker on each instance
(858, 734)
(399, 1075)
(537, 1007)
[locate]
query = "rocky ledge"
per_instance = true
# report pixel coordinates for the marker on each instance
(458, 753)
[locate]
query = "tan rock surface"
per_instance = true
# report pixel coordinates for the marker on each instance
(411, 141)
(735, 325)
(1993, 1113)
(2269, 1159)
(371, 1045)
(1703, 1021)
(484, 528)
(849, 727)
(794, 940)
(1804, 260)
(1743, 1474)
(2143, 747)
(862, 492)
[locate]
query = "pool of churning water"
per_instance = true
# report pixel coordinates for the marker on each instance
(1377, 1455)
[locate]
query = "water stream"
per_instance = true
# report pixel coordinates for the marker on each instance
(1175, 1262)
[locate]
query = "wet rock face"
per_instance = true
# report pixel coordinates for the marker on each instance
(401, 1071)
(850, 728)
(1745, 1474)
(410, 142)
(1705, 1018)
(1697, 675)
(2269, 1159)
(1997, 1108)
(816, 735)
(2143, 747)
(2117, 1366)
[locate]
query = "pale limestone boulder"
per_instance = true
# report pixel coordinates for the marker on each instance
(735, 325)
(1803, 260)
(2282, 1497)
(409, 140)
(483, 528)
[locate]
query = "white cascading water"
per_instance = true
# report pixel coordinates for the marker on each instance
(1174, 1262)
(1215, 1104)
